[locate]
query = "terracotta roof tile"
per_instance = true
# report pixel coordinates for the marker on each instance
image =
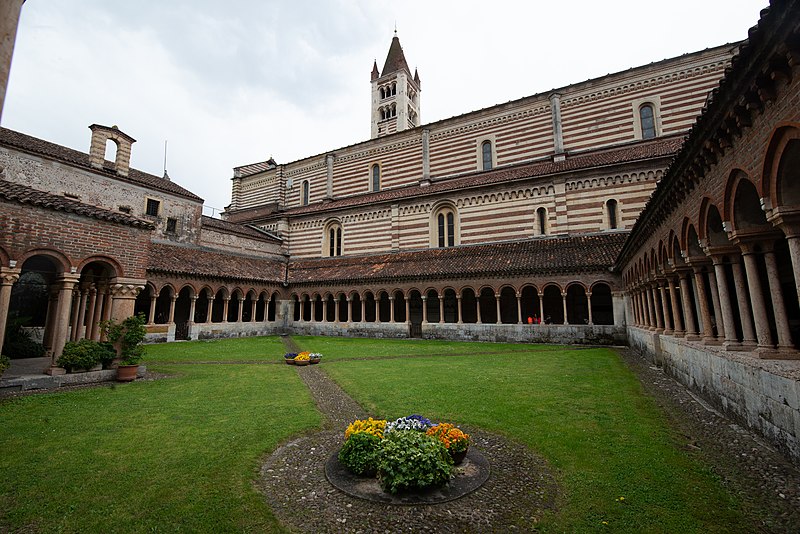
(662, 147)
(240, 229)
(40, 147)
(539, 256)
(27, 195)
(196, 261)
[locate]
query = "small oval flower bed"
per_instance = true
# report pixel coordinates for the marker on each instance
(409, 453)
(302, 358)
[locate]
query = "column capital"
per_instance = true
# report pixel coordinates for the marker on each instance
(119, 290)
(9, 276)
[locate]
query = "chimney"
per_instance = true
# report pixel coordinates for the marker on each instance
(97, 152)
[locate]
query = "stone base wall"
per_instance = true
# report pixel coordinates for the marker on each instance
(763, 395)
(559, 334)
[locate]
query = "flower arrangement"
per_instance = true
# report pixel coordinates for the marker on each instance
(290, 355)
(315, 356)
(302, 356)
(412, 422)
(408, 453)
(453, 438)
(370, 426)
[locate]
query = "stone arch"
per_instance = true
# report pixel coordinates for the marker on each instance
(508, 305)
(577, 304)
(746, 207)
(602, 303)
(469, 305)
(112, 264)
(60, 260)
(781, 161)
(530, 304)
(553, 304)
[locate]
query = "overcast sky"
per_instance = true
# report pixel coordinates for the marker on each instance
(235, 82)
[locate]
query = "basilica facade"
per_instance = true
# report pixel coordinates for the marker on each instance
(655, 207)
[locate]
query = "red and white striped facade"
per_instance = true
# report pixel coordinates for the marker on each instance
(592, 116)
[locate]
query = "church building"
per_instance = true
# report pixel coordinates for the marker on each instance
(656, 207)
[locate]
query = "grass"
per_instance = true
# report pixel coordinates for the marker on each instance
(178, 454)
(580, 409)
(182, 453)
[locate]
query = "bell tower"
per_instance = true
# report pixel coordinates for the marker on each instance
(395, 94)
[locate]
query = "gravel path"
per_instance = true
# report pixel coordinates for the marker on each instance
(766, 482)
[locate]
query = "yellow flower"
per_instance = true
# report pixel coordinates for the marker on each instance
(370, 426)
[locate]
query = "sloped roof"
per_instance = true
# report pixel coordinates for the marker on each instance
(750, 77)
(538, 256)
(661, 147)
(197, 261)
(395, 59)
(254, 168)
(239, 229)
(40, 147)
(26, 195)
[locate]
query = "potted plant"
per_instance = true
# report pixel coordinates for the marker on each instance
(454, 439)
(126, 338)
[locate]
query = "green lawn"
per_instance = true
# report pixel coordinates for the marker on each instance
(177, 454)
(181, 453)
(581, 409)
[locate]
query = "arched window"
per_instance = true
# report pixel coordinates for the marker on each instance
(383, 93)
(647, 120)
(613, 214)
(383, 113)
(376, 178)
(304, 193)
(445, 227)
(486, 154)
(541, 221)
(333, 240)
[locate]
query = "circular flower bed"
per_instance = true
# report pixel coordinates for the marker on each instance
(409, 453)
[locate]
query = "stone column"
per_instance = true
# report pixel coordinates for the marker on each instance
(705, 314)
(79, 329)
(657, 308)
(209, 310)
(90, 312)
(589, 306)
(665, 308)
(66, 284)
(441, 308)
(712, 281)
(240, 310)
(336, 314)
(458, 299)
(9, 19)
(313, 306)
(564, 301)
(75, 313)
(519, 308)
(748, 333)
(363, 311)
(349, 309)
(497, 305)
(99, 309)
(192, 306)
(408, 309)
(391, 309)
(8, 277)
(676, 316)
(253, 311)
(478, 309)
(731, 343)
(174, 298)
(651, 313)
(757, 299)
(778, 305)
(325, 310)
(377, 310)
(225, 303)
(541, 309)
(123, 296)
(424, 309)
(688, 307)
(153, 300)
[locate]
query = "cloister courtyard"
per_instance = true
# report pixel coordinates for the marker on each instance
(606, 442)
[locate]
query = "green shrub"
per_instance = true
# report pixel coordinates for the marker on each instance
(359, 454)
(127, 337)
(412, 460)
(84, 354)
(18, 343)
(5, 363)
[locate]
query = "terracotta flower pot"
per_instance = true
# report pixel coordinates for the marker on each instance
(127, 373)
(458, 457)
